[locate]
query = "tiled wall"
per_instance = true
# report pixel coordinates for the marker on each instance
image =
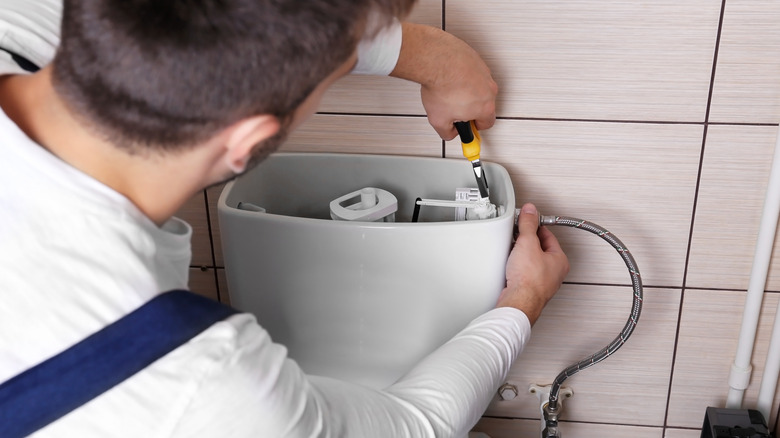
(656, 119)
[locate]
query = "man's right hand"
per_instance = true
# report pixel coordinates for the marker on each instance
(536, 267)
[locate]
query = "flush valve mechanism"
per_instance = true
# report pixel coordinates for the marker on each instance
(468, 206)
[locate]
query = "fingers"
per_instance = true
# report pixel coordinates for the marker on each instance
(548, 241)
(528, 226)
(536, 267)
(447, 106)
(528, 222)
(486, 118)
(486, 122)
(552, 249)
(446, 131)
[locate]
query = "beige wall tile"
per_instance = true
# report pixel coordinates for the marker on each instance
(709, 330)
(378, 94)
(367, 135)
(684, 433)
(735, 172)
(194, 213)
(202, 282)
(636, 180)
(609, 60)
(747, 79)
(359, 94)
(427, 12)
(505, 428)
(630, 387)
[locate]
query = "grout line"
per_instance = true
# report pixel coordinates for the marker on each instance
(540, 119)
(645, 122)
(674, 358)
(643, 426)
(501, 417)
(504, 417)
(211, 245)
(644, 286)
(334, 113)
(725, 289)
(693, 209)
(443, 15)
(668, 428)
(741, 124)
(444, 28)
(658, 286)
(696, 198)
(553, 119)
(585, 283)
(715, 62)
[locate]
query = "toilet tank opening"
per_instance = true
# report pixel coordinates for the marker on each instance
(304, 185)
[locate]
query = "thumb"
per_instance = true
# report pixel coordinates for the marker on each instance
(528, 222)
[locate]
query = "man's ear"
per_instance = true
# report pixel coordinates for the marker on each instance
(244, 135)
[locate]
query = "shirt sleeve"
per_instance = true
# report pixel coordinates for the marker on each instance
(259, 391)
(379, 55)
(31, 29)
(444, 395)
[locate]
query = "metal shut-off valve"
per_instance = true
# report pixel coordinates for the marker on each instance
(550, 414)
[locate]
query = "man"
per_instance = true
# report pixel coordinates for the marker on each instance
(147, 102)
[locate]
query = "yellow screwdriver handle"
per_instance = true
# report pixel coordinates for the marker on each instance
(469, 139)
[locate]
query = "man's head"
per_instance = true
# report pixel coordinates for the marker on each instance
(169, 74)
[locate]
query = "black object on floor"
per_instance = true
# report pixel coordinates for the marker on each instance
(734, 423)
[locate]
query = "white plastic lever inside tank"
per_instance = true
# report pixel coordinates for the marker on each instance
(365, 205)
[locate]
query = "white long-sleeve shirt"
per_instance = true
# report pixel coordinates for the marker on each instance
(78, 256)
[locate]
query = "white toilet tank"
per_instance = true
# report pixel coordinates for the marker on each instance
(362, 301)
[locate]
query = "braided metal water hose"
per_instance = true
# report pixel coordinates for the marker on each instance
(636, 307)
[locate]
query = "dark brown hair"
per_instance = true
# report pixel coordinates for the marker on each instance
(171, 73)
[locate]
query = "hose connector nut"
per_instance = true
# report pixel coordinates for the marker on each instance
(546, 220)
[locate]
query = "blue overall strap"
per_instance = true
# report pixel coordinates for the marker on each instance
(42, 394)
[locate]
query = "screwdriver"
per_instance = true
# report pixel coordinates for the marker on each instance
(471, 142)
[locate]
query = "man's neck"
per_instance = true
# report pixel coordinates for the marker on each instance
(157, 184)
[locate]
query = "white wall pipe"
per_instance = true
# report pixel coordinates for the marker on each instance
(741, 368)
(766, 394)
